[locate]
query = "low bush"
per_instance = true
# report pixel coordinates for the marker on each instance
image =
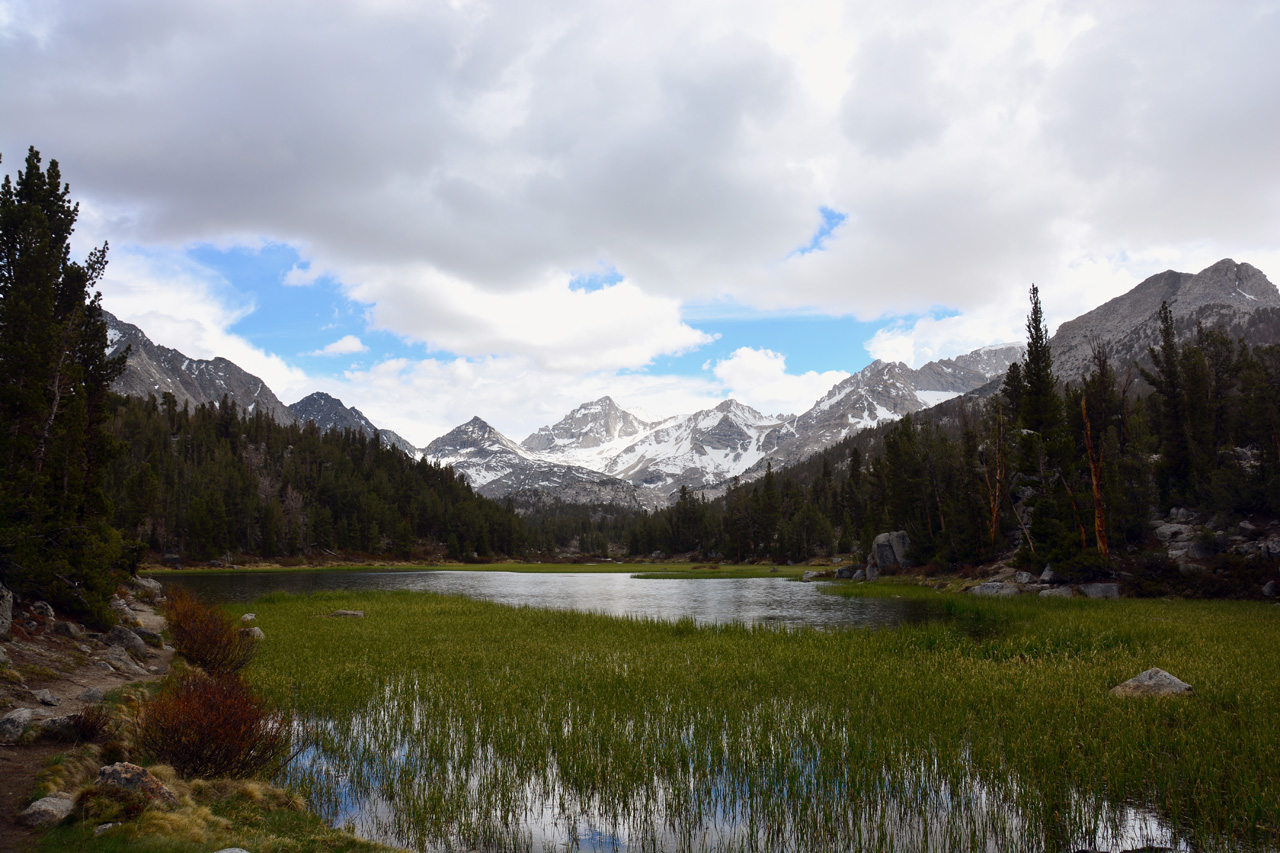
(213, 726)
(94, 724)
(206, 636)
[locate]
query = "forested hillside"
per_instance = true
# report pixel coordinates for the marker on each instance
(216, 483)
(1069, 474)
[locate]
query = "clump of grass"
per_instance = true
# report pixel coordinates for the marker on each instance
(95, 724)
(206, 636)
(213, 726)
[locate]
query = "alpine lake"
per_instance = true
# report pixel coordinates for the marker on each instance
(600, 710)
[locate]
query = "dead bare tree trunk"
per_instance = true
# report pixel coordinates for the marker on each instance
(1095, 474)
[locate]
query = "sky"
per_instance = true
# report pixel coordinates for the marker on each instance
(434, 210)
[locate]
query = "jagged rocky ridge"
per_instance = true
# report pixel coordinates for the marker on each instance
(704, 450)
(155, 369)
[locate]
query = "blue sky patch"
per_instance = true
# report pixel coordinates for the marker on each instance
(831, 220)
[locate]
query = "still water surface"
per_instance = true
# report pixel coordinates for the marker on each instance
(751, 601)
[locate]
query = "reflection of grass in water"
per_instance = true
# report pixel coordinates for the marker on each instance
(993, 726)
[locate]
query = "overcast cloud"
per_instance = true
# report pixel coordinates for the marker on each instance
(453, 165)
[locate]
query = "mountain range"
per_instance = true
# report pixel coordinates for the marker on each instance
(601, 453)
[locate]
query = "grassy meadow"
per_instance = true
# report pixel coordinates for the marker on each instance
(444, 722)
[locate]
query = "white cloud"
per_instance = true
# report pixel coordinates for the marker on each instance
(560, 328)
(299, 277)
(759, 378)
(485, 152)
(345, 345)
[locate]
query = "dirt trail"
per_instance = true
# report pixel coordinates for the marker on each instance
(66, 666)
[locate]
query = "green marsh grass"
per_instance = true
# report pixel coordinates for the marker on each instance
(442, 723)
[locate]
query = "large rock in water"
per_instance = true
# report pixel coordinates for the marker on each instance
(1153, 682)
(889, 550)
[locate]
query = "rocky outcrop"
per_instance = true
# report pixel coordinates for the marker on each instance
(995, 589)
(889, 550)
(154, 369)
(131, 777)
(1153, 682)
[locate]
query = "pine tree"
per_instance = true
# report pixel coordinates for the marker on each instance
(55, 540)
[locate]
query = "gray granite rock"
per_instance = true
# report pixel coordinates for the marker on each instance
(121, 636)
(13, 724)
(1270, 588)
(1153, 682)
(47, 811)
(1057, 592)
(256, 633)
(91, 695)
(1024, 577)
(68, 629)
(1100, 590)
(42, 608)
(6, 612)
(134, 778)
(44, 697)
(995, 589)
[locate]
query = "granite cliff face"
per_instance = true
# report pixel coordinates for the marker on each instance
(154, 369)
(1235, 297)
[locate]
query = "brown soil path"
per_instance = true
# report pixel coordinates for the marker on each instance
(66, 667)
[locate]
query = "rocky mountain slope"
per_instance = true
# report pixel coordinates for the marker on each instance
(496, 466)
(328, 412)
(154, 369)
(1233, 296)
(707, 448)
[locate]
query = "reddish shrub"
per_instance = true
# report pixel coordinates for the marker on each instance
(206, 636)
(94, 724)
(213, 726)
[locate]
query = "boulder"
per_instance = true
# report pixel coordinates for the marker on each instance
(1048, 575)
(248, 617)
(1153, 682)
(68, 629)
(4, 659)
(118, 659)
(1057, 592)
(1167, 533)
(889, 550)
(42, 608)
(997, 589)
(121, 636)
(151, 585)
(359, 614)
(1270, 588)
(872, 573)
(131, 777)
(256, 633)
(860, 575)
(91, 695)
(844, 572)
(1025, 577)
(13, 724)
(1100, 590)
(151, 638)
(44, 697)
(47, 811)
(6, 612)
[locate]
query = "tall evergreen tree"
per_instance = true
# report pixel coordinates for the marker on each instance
(55, 540)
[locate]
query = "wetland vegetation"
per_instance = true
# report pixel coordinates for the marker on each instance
(442, 722)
